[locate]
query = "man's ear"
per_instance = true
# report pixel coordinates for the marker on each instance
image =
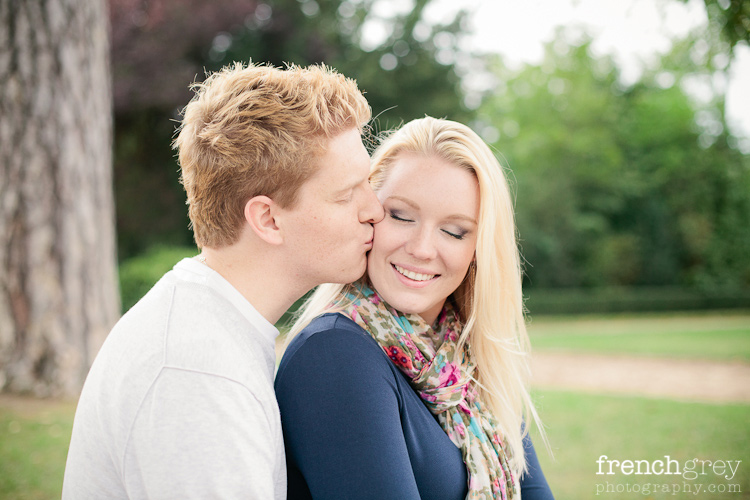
(259, 214)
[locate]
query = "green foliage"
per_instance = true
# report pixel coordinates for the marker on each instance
(602, 300)
(149, 199)
(401, 74)
(617, 185)
(731, 17)
(621, 185)
(139, 274)
(583, 427)
(181, 40)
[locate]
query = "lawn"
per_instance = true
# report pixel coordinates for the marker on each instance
(34, 437)
(581, 428)
(34, 434)
(710, 336)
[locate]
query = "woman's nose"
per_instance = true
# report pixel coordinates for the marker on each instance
(421, 246)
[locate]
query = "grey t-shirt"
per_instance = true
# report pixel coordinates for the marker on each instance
(179, 402)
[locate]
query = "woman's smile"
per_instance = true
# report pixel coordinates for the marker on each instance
(413, 277)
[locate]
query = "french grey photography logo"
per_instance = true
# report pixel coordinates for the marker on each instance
(666, 475)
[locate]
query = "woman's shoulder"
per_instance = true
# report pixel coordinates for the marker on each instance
(331, 338)
(327, 330)
(330, 323)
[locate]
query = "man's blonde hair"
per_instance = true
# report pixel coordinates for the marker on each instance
(257, 130)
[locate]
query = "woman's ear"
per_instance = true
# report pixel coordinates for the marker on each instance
(260, 216)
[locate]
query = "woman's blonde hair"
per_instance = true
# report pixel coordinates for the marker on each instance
(490, 300)
(257, 130)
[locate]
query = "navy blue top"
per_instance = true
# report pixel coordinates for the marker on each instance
(354, 427)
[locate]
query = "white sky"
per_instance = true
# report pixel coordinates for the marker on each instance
(631, 30)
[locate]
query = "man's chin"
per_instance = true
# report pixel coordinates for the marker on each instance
(353, 276)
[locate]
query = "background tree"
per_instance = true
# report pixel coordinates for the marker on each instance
(618, 184)
(623, 185)
(58, 293)
(406, 65)
(732, 17)
(160, 46)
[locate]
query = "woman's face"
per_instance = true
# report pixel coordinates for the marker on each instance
(423, 247)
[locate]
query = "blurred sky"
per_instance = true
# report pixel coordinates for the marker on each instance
(633, 31)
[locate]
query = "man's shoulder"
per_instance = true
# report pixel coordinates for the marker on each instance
(186, 325)
(207, 333)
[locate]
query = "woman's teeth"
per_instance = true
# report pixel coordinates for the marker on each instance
(412, 275)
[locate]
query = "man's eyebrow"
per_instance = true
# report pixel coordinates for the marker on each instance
(354, 183)
(350, 186)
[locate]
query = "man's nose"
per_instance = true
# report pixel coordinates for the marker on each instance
(372, 211)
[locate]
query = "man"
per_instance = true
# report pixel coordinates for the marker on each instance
(179, 402)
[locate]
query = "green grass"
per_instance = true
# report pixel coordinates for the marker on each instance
(34, 438)
(34, 434)
(712, 336)
(582, 427)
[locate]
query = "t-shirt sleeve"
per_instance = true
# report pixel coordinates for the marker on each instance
(339, 407)
(533, 484)
(201, 436)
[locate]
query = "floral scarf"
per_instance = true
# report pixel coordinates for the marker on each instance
(428, 358)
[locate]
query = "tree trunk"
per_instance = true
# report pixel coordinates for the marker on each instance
(58, 281)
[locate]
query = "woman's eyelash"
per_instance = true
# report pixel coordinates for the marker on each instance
(396, 216)
(458, 236)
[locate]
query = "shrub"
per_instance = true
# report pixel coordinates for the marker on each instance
(138, 274)
(635, 299)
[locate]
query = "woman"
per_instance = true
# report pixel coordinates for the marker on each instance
(412, 382)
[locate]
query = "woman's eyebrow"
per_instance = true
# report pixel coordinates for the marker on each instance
(462, 217)
(404, 200)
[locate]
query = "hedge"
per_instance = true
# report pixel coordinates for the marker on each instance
(138, 275)
(637, 299)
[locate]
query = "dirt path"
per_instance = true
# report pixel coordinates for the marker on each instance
(668, 378)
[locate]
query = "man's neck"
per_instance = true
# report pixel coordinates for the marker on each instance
(260, 278)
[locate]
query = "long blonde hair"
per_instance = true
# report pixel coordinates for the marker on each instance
(490, 301)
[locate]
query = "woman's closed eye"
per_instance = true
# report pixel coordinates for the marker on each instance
(459, 234)
(398, 216)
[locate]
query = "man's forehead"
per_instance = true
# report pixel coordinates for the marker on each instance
(329, 183)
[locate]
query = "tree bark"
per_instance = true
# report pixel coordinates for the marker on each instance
(58, 281)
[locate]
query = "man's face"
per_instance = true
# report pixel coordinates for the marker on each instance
(329, 229)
